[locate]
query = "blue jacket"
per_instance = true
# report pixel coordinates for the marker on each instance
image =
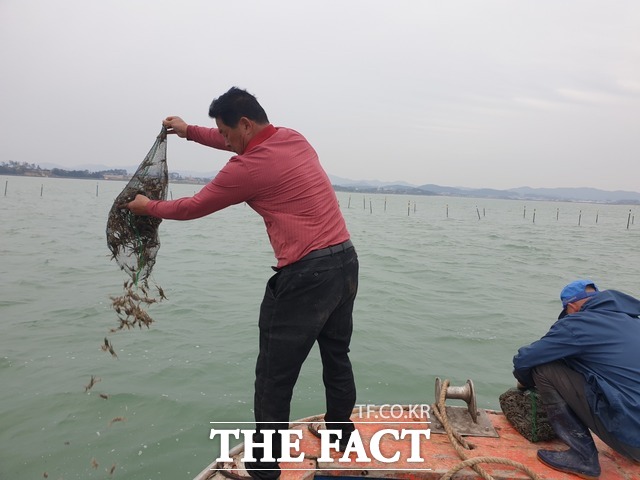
(601, 341)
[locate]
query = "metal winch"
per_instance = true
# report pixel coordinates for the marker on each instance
(470, 421)
(466, 393)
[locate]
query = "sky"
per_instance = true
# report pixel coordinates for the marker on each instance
(468, 93)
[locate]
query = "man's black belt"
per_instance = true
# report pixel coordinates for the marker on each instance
(332, 250)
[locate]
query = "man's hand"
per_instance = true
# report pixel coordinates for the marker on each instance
(139, 205)
(176, 125)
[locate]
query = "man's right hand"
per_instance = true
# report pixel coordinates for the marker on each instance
(138, 205)
(175, 125)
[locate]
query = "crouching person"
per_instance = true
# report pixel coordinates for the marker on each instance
(586, 369)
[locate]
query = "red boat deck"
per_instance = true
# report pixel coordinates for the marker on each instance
(440, 456)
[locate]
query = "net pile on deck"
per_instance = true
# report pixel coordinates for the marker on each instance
(133, 239)
(525, 411)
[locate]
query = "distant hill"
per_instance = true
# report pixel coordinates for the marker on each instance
(345, 182)
(580, 194)
(521, 193)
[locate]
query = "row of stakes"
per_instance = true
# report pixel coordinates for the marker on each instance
(6, 186)
(630, 218)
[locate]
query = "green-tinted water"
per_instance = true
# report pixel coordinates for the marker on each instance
(450, 297)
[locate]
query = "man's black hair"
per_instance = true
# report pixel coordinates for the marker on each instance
(231, 106)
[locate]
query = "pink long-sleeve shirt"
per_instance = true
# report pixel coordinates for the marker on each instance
(279, 175)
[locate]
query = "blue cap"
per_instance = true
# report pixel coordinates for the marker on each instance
(575, 291)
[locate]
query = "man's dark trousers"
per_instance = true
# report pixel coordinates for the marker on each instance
(307, 301)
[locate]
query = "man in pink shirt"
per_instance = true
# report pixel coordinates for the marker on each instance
(310, 298)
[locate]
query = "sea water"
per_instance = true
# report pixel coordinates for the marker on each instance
(449, 288)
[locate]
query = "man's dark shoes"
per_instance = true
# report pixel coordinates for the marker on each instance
(314, 429)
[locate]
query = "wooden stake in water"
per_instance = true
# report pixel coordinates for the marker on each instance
(6, 184)
(370, 206)
(97, 189)
(524, 213)
(628, 219)
(171, 193)
(349, 202)
(409, 208)
(580, 218)
(534, 215)
(478, 212)
(447, 210)
(597, 213)
(41, 189)
(484, 212)
(385, 204)
(557, 214)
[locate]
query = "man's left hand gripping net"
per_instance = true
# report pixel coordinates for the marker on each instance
(133, 239)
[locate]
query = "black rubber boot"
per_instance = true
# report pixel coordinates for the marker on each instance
(582, 457)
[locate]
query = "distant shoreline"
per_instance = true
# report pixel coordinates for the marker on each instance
(483, 193)
(115, 174)
(576, 195)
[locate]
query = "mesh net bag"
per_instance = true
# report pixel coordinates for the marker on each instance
(133, 239)
(525, 411)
